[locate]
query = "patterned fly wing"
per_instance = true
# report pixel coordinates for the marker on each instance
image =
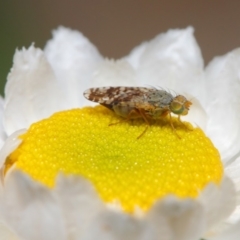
(109, 96)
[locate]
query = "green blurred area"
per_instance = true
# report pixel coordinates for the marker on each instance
(9, 41)
(18, 27)
(5, 64)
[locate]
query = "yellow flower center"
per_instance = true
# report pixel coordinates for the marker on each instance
(133, 172)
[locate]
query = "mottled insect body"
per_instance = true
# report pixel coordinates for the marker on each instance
(139, 102)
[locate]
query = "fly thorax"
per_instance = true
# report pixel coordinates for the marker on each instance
(160, 98)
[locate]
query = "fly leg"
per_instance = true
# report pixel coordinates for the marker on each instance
(143, 115)
(135, 112)
(173, 128)
(179, 119)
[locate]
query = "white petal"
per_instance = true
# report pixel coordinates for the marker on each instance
(30, 209)
(110, 225)
(3, 135)
(223, 104)
(6, 233)
(114, 73)
(185, 218)
(172, 60)
(135, 56)
(232, 170)
(232, 233)
(218, 201)
(74, 59)
(79, 203)
(10, 145)
(32, 92)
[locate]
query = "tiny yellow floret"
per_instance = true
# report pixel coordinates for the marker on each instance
(133, 172)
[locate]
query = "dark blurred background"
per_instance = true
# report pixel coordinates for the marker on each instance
(116, 26)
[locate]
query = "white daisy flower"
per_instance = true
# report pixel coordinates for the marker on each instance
(67, 174)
